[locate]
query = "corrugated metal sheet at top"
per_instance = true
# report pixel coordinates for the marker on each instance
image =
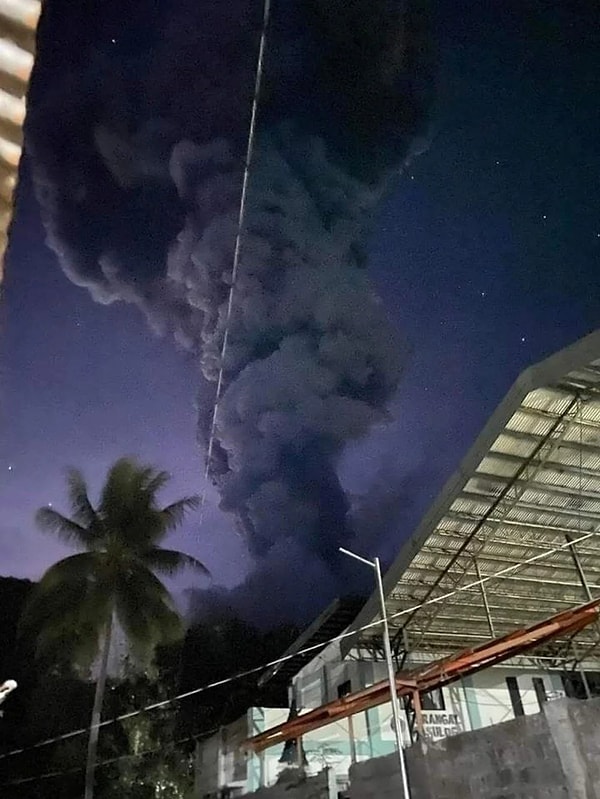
(18, 25)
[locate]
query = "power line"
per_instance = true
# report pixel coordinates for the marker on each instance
(78, 769)
(307, 650)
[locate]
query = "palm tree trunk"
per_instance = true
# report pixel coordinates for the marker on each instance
(92, 749)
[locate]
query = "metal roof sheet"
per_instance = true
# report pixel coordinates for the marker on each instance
(332, 621)
(18, 24)
(531, 479)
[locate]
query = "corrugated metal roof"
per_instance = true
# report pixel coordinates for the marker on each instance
(334, 620)
(531, 479)
(18, 24)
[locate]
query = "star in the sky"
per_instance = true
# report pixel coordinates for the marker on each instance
(10, 468)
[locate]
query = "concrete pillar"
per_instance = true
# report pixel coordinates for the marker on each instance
(572, 759)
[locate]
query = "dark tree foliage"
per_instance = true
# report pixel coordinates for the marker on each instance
(221, 648)
(151, 747)
(52, 703)
(113, 578)
(144, 751)
(14, 663)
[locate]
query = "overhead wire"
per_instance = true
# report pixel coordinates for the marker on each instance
(109, 761)
(307, 650)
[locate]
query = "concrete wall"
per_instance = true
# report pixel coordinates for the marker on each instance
(291, 786)
(207, 767)
(550, 755)
(221, 763)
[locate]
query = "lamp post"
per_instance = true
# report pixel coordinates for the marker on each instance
(376, 566)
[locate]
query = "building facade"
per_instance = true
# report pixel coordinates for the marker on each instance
(224, 770)
(516, 688)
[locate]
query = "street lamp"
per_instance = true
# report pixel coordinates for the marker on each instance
(376, 566)
(5, 689)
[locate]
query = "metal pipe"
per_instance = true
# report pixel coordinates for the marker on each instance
(584, 679)
(485, 599)
(578, 567)
(352, 740)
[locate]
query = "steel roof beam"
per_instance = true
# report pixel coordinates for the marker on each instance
(533, 438)
(543, 488)
(549, 464)
(527, 543)
(550, 510)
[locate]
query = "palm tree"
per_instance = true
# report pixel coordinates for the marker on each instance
(78, 600)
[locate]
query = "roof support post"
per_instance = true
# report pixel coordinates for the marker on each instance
(486, 604)
(586, 588)
(578, 566)
(584, 679)
(418, 709)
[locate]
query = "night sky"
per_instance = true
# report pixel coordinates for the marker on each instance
(486, 255)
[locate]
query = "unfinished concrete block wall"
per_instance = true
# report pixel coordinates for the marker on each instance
(322, 786)
(551, 755)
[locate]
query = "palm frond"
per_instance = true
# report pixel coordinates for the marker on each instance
(175, 513)
(136, 578)
(146, 611)
(65, 529)
(122, 483)
(49, 604)
(69, 606)
(170, 561)
(76, 632)
(73, 569)
(68, 610)
(81, 506)
(129, 506)
(63, 587)
(155, 480)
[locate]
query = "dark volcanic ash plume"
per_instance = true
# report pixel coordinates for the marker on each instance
(138, 167)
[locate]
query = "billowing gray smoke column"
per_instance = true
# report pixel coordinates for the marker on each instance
(141, 200)
(311, 357)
